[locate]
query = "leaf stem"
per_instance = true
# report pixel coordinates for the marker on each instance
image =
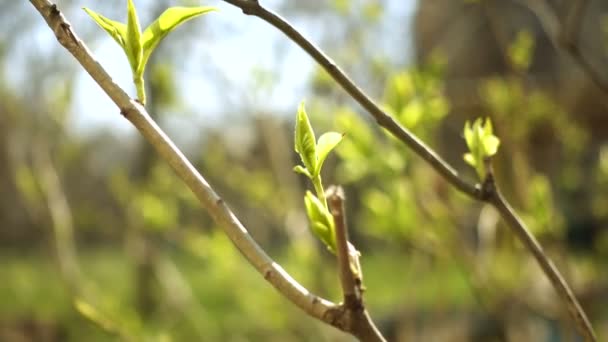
(318, 184)
(140, 88)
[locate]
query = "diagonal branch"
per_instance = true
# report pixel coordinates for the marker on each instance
(315, 306)
(494, 196)
(530, 242)
(253, 7)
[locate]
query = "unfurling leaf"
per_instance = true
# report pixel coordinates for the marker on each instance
(134, 46)
(327, 142)
(137, 46)
(321, 221)
(468, 135)
(490, 145)
(301, 170)
(165, 23)
(305, 143)
(482, 144)
(468, 157)
(118, 31)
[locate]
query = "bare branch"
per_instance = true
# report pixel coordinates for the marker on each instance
(495, 197)
(138, 116)
(558, 282)
(352, 294)
(571, 27)
(355, 317)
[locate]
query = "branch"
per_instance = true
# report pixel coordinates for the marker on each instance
(63, 230)
(558, 282)
(352, 292)
(315, 306)
(358, 320)
(253, 7)
(495, 197)
(572, 24)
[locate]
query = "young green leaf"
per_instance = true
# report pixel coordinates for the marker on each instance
(468, 135)
(490, 142)
(468, 157)
(490, 145)
(321, 221)
(134, 46)
(118, 31)
(300, 169)
(482, 144)
(137, 46)
(327, 142)
(165, 23)
(305, 143)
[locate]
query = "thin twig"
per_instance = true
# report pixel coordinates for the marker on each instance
(571, 27)
(494, 196)
(359, 322)
(530, 242)
(313, 305)
(384, 120)
(335, 200)
(65, 245)
(253, 7)
(61, 218)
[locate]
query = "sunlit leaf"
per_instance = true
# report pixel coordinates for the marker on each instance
(118, 31)
(327, 142)
(468, 135)
(321, 221)
(165, 23)
(487, 127)
(305, 143)
(468, 157)
(300, 169)
(133, 46)
(490, 145)
(482, 144)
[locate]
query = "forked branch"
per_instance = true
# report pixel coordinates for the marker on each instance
(254, 8)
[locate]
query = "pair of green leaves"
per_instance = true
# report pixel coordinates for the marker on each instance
(138, 45)
(482, 144)
(313, 154)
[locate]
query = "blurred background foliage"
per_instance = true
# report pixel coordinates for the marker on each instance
(94, 227)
